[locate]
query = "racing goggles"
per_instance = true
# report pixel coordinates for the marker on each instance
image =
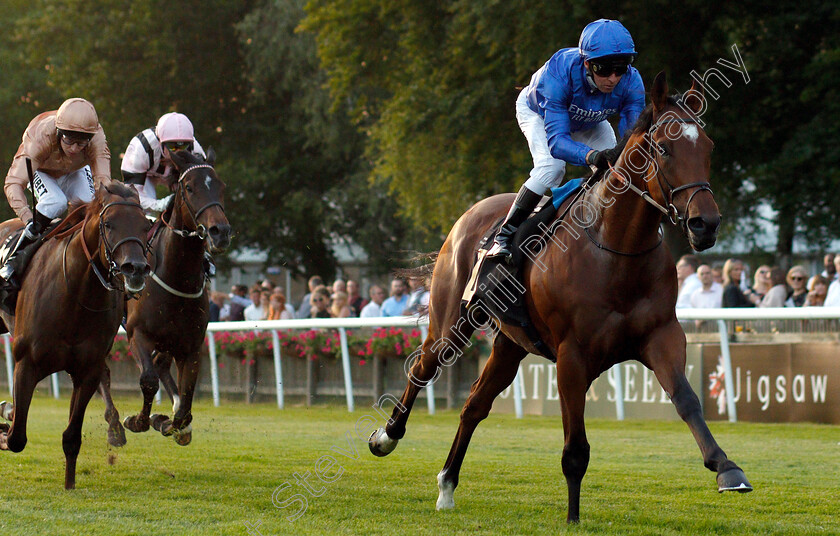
(178, 145)
(607, 68)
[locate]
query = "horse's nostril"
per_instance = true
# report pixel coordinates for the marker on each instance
(134, 268)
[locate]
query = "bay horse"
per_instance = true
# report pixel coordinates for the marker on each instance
(170, 318)
(596, 300)
(70, 306)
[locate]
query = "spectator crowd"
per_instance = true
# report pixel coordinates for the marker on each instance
(729, 285)
(699, 286)
(266, 301)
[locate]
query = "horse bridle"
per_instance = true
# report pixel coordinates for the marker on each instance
(200, 231)
(671, 211)
(109, 250)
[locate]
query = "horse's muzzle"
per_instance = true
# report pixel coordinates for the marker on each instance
(219, 237)
(702, 231)
(134, 274)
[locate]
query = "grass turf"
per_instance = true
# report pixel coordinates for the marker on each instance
(644, 477)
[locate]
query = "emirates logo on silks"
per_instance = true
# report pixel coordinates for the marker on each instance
(583, 115)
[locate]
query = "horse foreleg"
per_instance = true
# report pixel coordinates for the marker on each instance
(666, 356)
(163, 364)
(188, 369)
(83, 390)
(13, 438)
(572, 384)
(142, 347)
(116, 432)
(498, 373)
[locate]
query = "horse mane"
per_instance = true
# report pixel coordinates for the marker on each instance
(645, 120)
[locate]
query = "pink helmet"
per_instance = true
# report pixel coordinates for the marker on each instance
(174, 127)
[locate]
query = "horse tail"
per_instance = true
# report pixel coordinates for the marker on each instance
(424, 270)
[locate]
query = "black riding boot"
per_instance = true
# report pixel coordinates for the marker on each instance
(30, 234)
(525, 202)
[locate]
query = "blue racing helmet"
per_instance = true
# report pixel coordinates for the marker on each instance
(606, 37)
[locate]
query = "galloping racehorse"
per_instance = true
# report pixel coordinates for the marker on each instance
(170, 318)
(608, 297)
(70, 305)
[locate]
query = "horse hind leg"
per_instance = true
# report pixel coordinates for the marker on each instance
(497, 375)
(435, 353)
(116, 432)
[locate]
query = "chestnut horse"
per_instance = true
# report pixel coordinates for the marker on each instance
(597, 300)
(70, 306)
(170, 318)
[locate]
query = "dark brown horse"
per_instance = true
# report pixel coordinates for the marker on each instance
(602, 291)
(170, 318)
(70, 305)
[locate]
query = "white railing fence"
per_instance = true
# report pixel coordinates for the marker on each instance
(341, 324)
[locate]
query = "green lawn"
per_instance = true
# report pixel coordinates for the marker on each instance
(644, 478)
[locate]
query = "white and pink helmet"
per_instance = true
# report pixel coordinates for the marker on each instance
(174, 127)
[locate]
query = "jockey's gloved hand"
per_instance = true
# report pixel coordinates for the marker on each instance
(30, 231)
(599, 159)
(161, 204)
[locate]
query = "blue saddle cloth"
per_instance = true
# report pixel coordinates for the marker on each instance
(561, 193)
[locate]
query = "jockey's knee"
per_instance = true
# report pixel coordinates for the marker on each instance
(52, 207)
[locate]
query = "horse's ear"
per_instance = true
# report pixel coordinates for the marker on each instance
(659, 92)
(211, 156)
(694, 97)
(178, 159)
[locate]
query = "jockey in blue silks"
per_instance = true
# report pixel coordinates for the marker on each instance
(563, 113)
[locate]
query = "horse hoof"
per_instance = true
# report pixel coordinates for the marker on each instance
(161, 423)
(733, 480)
(4, 428)
(380, 444)
(136, 423)
(7, 411)
(183, 437)
(116, 435)
(446, 495)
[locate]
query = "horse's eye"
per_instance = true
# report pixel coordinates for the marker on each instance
(189, 188)
(106, 225)
(663, 151)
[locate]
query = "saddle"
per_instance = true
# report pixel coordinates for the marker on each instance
(9, 289)
(495, 288)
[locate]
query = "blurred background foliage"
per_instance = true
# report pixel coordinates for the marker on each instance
(381, 121)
